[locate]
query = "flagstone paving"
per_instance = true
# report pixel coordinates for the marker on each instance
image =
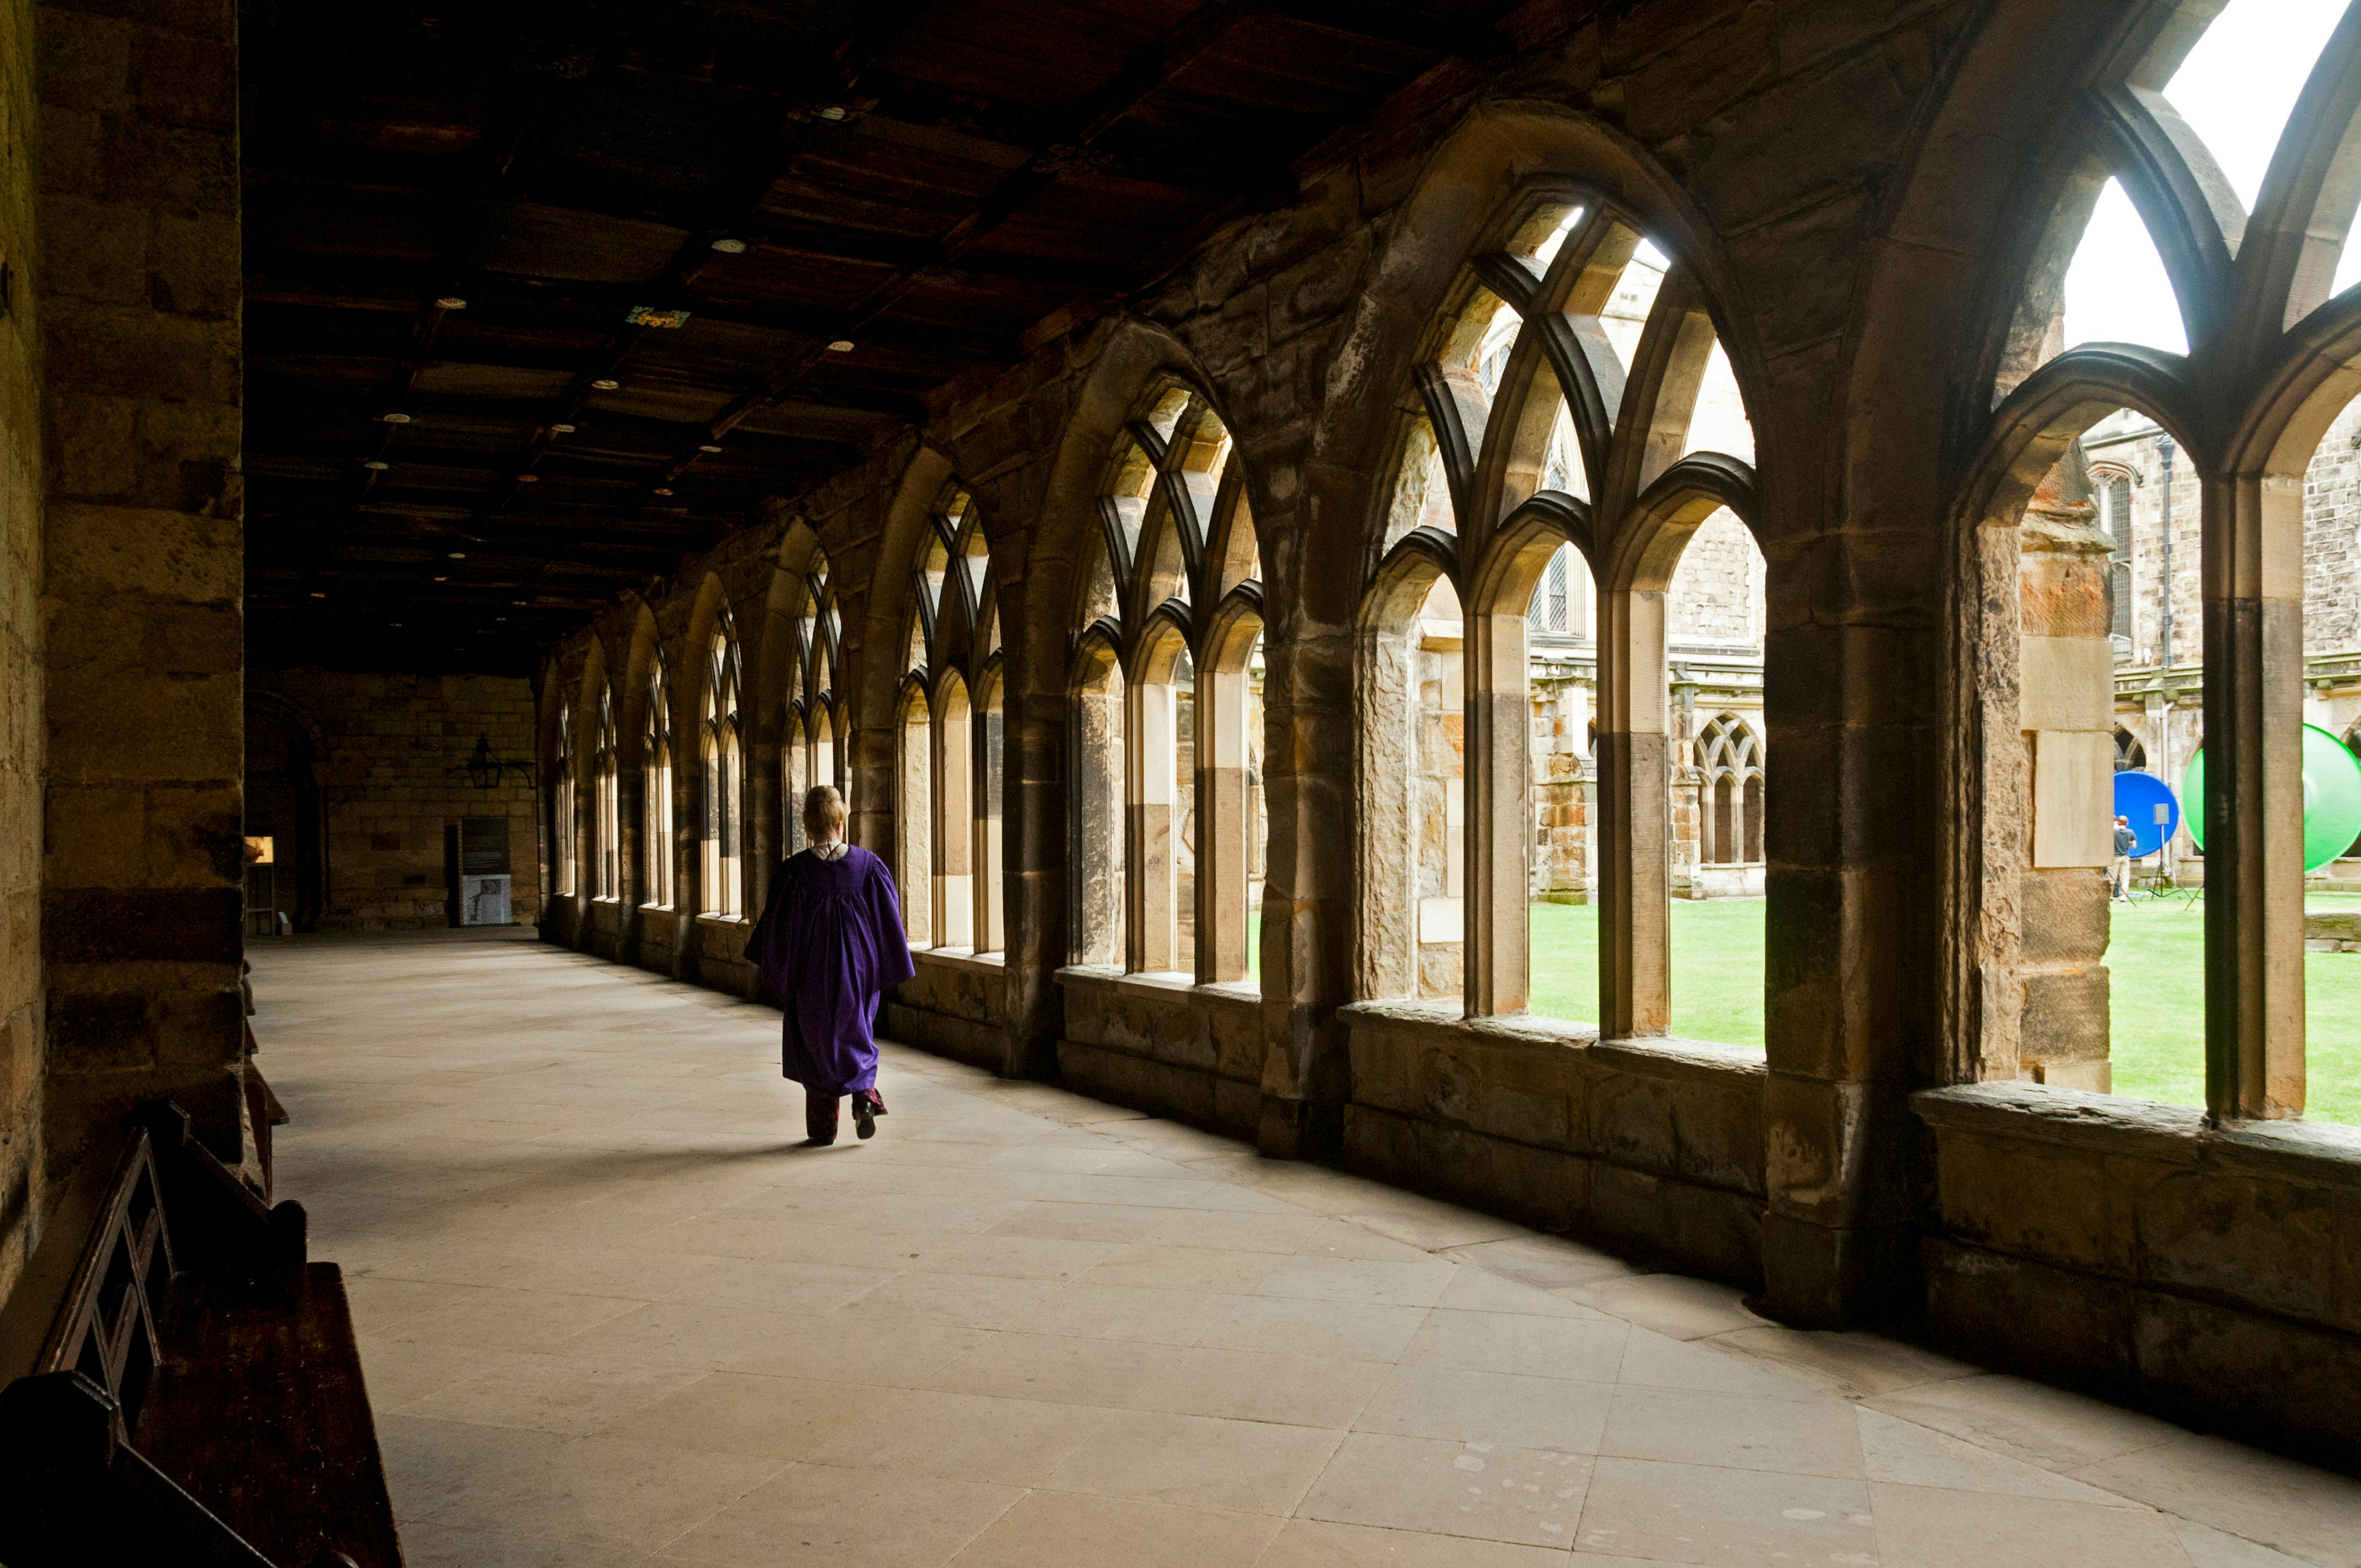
(612, 1312)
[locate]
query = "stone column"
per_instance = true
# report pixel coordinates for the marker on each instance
(2066, 721)
(2253, 794)
(141, 291)
(1635, 887)
(954, 769)
(1500, 806)
(1153, 818)
(1224, 812)
(1038, 849)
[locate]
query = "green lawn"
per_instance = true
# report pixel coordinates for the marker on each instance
(2157, 960)
(2157, 986)
(1717, 967)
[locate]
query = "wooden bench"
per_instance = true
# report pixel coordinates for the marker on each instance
(198, 1398)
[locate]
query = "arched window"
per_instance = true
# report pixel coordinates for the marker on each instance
(605, 830)
(723, 882)
(1572, 464)
(914, 814)
(1169, 817)
(1729, 769)
(562, 824)
(948, 808)
(794, 778)
(2201, 210)
(656, 791)
(813, 761)
(2130, 755)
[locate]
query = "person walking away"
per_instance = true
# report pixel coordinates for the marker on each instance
(830, 944)
(2119, 872)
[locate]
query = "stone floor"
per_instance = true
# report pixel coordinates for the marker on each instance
(613, 1313)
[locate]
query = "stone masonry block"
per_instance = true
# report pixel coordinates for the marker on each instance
(2027, 1200)
(2268, 1243)
(2026, 1317)
(1630, 1123)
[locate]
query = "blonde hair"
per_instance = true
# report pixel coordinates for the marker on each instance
(823, 809)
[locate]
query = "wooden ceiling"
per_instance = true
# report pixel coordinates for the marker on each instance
(540, 298)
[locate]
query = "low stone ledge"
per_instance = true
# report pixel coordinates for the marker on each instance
(2319, 1154)
(1554, 1033)
(961, 958)
(2316, 1153)
(1673, 1057)
(2099, 1123)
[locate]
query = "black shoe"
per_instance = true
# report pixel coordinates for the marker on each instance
(864, 1117)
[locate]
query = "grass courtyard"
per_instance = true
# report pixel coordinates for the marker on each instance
(2155, 957)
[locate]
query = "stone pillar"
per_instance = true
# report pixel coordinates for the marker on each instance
(954, 770)
(2066, 718)
(991, 863)
(1635, 889)
(1499, 806)
(1225, 810)
(1035, 833)
(141, 291)
(2253, 794)
(1154, 819)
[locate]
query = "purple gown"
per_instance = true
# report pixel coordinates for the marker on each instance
(829, 944)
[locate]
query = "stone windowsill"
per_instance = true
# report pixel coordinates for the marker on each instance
(958, 957)
(1163, 985)
(2315, 1152)
(725, 922)
(1668, 1054)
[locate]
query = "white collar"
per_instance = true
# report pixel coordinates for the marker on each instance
(834, 851)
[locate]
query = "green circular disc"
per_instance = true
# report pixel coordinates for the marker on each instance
(2332, 797)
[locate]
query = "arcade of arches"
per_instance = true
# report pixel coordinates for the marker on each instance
(1330, 646)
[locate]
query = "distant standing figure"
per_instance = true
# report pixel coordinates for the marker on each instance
(829, 943)
(2119, 873)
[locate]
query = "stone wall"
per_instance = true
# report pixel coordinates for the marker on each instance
(22, 727)
(1715, 595)
(140, 293)
(2125, 1246)
(393, 753)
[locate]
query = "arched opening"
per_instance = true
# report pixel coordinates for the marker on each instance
(1231, 827)
(954, 766)
(1095, 869)
(722, 881)
(914, 823)
(1412, 782)
(656, 791)
(991, 920)
(606, 823)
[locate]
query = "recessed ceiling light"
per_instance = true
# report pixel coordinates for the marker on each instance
(561, 430)
(842, 346)
(395, 418)
(394, 623)
(318, 596)
(604, 384)
(375, 467)
(450, 303)
(499, 618)
(831, 110)
(661, 490)
(708, 446)
(528, 478)
(520, 603)
(441, 580)
(727, 246)
(458, 554)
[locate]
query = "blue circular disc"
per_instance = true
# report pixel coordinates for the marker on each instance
(2148, 802)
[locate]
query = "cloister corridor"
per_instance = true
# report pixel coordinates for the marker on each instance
(610, 1313)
